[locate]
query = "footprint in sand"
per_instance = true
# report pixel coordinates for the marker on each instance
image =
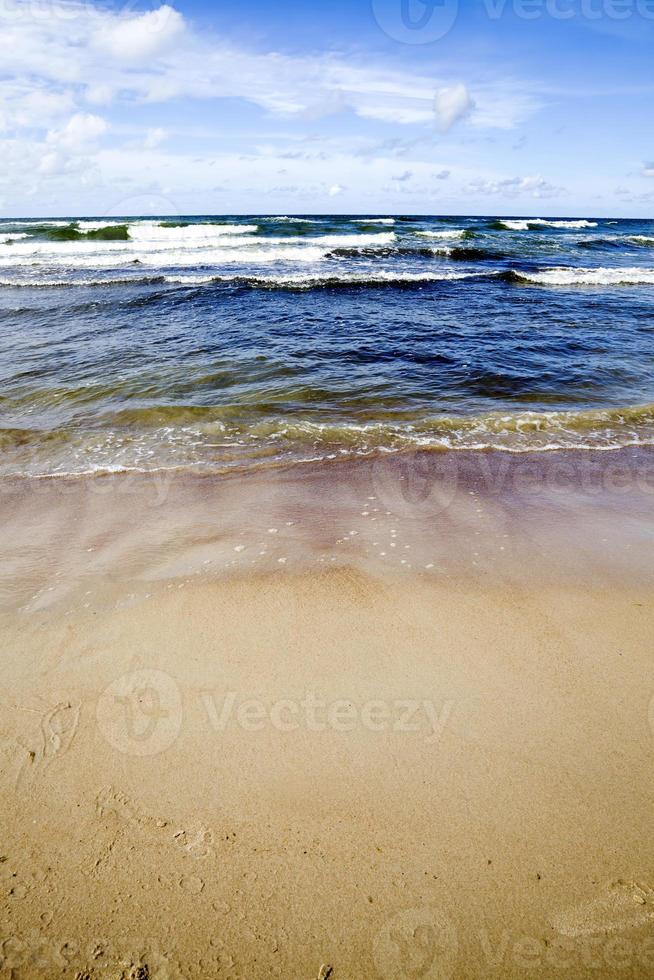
(192, 884)
(113, 801)
(57, 730)
(196, 841)
(59, 727)
(625, 905)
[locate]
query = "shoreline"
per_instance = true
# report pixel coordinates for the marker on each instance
(574, 516)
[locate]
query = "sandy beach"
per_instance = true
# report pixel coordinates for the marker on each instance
(327, 490)
(217, 762)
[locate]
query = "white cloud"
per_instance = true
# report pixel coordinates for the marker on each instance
(81, 129)
(451, 103)
(70, 58)
(139, 39)
(99, 94)
(533, 186)
(104, 57)
(155, 137)
(52, 163)
(26, 105)
(68, 150)
(648, 169)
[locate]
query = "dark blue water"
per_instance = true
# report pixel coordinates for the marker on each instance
(210, 342)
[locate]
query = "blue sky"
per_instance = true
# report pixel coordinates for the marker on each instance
(526, 107)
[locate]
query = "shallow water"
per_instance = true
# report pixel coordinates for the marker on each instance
(221, 342)
(516, 521)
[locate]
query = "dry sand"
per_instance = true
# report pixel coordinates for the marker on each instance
(326, 769)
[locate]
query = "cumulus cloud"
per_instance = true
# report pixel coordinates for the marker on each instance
(335, 190)
(80, 130)
(451, 103)
(648, 169)
(138, 39)
(67, 149)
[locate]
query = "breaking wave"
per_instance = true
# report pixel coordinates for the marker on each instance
(527, 224)
(182, 437)
(586, 277)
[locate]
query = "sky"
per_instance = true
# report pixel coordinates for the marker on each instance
(513, 107)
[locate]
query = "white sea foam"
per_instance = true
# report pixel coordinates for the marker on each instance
(568, 224)
(153, 231)
(290, 219)
(374, 221)
(190, 280)
(308, 280)
(40, 282)
(524, 224)
(515, 225)
(590, 277)
(151, 245)
(212, 251)
(97, 225)
(453, 233)
(29, 222)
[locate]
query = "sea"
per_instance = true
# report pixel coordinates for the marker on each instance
(216, 343)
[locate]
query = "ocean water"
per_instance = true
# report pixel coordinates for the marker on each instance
(212, 343)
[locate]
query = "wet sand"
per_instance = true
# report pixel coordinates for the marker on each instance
(328, 757)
